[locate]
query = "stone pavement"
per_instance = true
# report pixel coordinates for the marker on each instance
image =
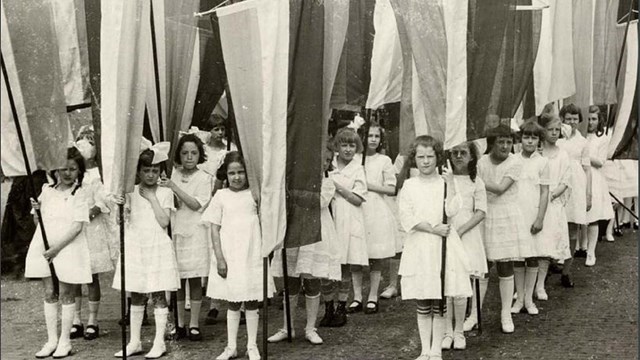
(595, 320)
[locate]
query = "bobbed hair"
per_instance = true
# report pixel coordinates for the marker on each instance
(595, 109)
(548, 119)
(493, 134)
(73, 154)
(472, 167)
(202, 157)
(531, 127)
(426, 141)
(213, 121)
(347, 136)
(146, 159)
(231, 157)
(571, 109)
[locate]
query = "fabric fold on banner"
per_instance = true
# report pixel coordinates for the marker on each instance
(124, 61)
(157, 65)
(456, 16)
(605, 52)
(31, 72)
(256, 80)
(583, 36)
(336, 20)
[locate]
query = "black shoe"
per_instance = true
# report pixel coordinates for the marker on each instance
(580, 254)
(565, 280)
(327, 319)
(211, 317)
(373, 309)
(195, 334)
(340, 315)
(94, 334)
(635, 225)
(354, 307)
(77, 331)
(625, 226)
(617, 232)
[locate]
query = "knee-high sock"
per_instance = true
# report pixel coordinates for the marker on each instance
(233, 323)
(583, 236)
(459, 310)
(356, 278)
(66, 321)
(77, 320)
(449, 318)
(312, 304)
(181, 312)
(530, 275)
(293, 306)
(161, 317)
(609, 233)
(518, 276)
(51, 319)
(425, 325)
(374, 283)
(196, 305)
(438, 334)
(136, 315)
(93, 312)
(543, 268)
(506, 292)
(252, 327)
(592, 235)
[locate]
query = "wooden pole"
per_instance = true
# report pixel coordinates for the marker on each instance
(265, 307)
(156, 71)
(287, 305)
(123, 291)
(443, 299)
(478, 306)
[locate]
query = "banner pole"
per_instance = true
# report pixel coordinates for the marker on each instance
(287, 305)
(265, 306)
(123, 291)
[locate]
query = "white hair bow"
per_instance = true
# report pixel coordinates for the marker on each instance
(160, 150)
(202, 135)
(357, 122)
(86, 148)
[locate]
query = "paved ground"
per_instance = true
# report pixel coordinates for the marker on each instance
(595, 320)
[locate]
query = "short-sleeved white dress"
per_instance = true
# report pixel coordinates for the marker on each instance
(241, 241)
(59, 211)
(469, 197)
(556, 232)
(150, 258)
(192, 238)
(322, 259)
(380, 222)
(349, 219)
(101, 232)
(577, 148)
(507, 237)
(421, 199)
(601, 208)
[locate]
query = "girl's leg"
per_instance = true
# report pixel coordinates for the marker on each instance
(94, 304)
(312, 303)
(180, 300)
(195, 288)
(592, 235)
(566, 269)
(51, 318)
(439, 324)
(392, 289)
(425, 325)
(136, 314)
(340, 317)
(518, 276)
(375, 274)
(77, 328)
(530, 275)
(505, 272)
(328, 288)
(459, 309)
(67, 297)
(233, 323)
(626, 217)
(294, 289)
(472, 320)
(161, 314)
(447, 340)
(356, 277)
(609, 233)
(253, 319)
(543, 268)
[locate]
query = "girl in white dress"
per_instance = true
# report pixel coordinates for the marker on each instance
(193, 188)
(470, 207)
(64, 211)
(351, 191)
(555, 231)
(236, 269)
(580, 201)
(421, 203)
(601, 208)
(150, 258)
(507, 237)
(311, 264)
(533, 197)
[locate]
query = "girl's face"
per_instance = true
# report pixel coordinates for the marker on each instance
(69, 174)
(149, 175)
(572, 119)
(552, 133)
(530, 143)
(327, 157)
(502, 147)
(374, 138)
(593, 123)
(460, 157)
(189, 155)
(218, 132)
(346, 151)
(426, 160)
(236, 176)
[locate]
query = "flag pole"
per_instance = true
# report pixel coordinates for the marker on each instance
(478, 306)
(443, 299)
(123, 291)
(265, 306)
(287, 305)
(23, 148)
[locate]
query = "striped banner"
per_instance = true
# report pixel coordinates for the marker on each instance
(31, 79)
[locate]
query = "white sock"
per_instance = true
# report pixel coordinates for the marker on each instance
(506, 292)
(530, 275)
(252, 327)
(312, 304)
(66, 322)
(425, 322)
(293, 306)
(438, 334)
(51, 319)
(484, 284)
(356, 277)
(459, 310)
(181, 312)
(592, 235)
(196, 305)
(161, 317)
(543, 268)
(136, 314)
(449, 317)
(93, 312)
(609, 233)
(374, 283)
(233, 323)
(77, 320)
(518, 275)
(394, 267)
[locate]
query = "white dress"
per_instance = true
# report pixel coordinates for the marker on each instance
(421, 200)
(556, 232)
(622, 177)
(578, 150)
(241, 242)
(349, 219)
(507, 237)
(380, 222)
(59, 211)
(214, 158)
(535, 173)
(470, 196)
(150, 259)
(102, 231)
(601, 208)
(322, 259)
(192, 238)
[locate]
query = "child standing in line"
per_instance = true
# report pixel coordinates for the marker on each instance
(64, 211)
(351, 191)
(149, 252)
(311, 264)
(236, 269)
(555, 231)
(533, 197)
(507, 237)
(469, 207)
(193, 188)
(601, 208)
(421, 212)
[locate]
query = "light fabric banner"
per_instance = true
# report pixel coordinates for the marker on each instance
(32, 72)
(257, 79)
(605, 52)
(160, 63)
(124, 61)
(583, 53)
(336, 20)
